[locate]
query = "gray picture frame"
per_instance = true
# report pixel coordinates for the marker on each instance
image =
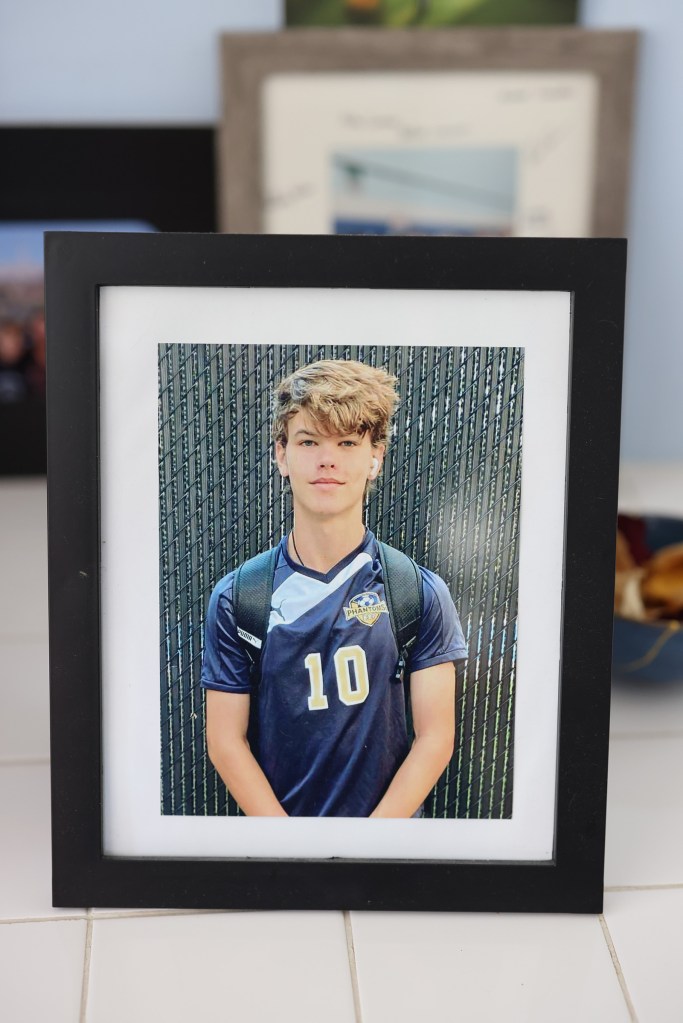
(248, 59)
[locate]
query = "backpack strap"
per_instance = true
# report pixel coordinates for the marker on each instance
(252, 592)
(403, 591)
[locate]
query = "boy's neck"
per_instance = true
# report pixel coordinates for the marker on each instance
(322, 545)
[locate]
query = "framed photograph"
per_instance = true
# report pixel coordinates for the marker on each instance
(496, 132)
(418, 13)
(212, 398)
(101, 178)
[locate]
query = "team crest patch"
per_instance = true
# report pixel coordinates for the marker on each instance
(366, 608)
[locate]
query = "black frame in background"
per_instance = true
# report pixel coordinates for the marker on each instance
(162, 175)
(77, 266)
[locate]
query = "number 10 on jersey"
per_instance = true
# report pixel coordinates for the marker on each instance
(349, 694)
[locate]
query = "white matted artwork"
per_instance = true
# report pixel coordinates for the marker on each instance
(403, 132)
(134, 322)
(467, 152)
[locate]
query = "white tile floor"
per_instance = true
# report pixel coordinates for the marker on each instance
(95, 967)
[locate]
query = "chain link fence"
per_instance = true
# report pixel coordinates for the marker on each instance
(449, 496)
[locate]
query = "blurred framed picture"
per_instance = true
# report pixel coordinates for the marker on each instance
(163, 353)
(22, 334)
(418, 13)
(516, 132)
(101, 179)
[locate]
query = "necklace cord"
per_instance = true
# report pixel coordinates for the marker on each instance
(296, 551)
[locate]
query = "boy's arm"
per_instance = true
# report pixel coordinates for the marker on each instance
(227, 718)
(432, 697)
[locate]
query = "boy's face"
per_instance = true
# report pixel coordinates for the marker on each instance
(328, 473)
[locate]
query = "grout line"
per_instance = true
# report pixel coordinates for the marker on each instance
(673, 886)
(617, 966)
(134, 914)
(12, 921)
(114, 914)
(86, 972)
(351, 950)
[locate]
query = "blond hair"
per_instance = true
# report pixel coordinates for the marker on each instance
(340, 396)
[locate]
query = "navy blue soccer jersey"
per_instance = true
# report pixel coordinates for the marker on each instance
(331, 717)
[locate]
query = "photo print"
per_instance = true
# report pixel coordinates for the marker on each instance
(449, 496)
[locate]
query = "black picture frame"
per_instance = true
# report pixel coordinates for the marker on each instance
(78, 266)
(163, 175)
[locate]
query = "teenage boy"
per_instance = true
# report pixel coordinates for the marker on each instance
(332, 736)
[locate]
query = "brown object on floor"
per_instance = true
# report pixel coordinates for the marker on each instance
(662, 585)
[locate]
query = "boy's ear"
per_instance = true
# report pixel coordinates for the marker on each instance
(281, 458)
(377, 459)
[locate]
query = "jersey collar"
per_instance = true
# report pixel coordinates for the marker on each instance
(326, 577)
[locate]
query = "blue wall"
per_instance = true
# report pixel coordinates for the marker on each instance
(155, 61)
(652, 419)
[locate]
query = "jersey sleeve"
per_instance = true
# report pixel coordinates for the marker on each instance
(440, 637)
(225, 665)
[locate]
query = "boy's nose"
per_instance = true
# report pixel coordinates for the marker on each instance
(325, 456)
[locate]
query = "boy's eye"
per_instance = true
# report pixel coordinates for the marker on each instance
(350, 443)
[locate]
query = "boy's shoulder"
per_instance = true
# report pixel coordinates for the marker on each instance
(224, 584)
(223, 588)
(434, 586)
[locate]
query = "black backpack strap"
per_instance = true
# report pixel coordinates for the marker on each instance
(251, 596)
(403, 592)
